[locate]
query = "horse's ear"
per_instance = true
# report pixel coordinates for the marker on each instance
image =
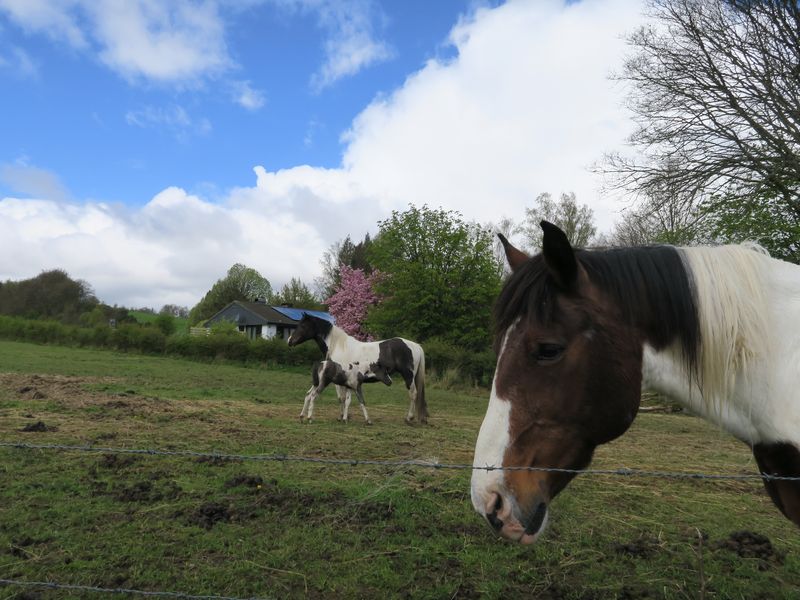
(559, 255)
(514, 256)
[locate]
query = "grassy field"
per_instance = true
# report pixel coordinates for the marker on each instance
(181, 323)
(289, 530)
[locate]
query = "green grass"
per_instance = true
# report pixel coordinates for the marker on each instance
(181, 323)
(323, 531)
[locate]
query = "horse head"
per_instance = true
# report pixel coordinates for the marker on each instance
(311, 328)
(568, 378)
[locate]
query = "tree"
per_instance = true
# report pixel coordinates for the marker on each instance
(439, 278)
(174, 310)
(351, 301)
(49, 295)
(296, 293)
(240, 283)
(343, 252)
(576, 221)
(166, 323)
(754, 218)
(670, 217)
(716, 97)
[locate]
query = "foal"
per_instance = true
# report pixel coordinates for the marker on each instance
(325, 372)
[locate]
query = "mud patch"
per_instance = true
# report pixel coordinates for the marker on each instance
(209, 514)
(251, 481)
(146, 492)
(38, 427)
(115, 462)
(748, 544)
(30, 392)
(641, 547)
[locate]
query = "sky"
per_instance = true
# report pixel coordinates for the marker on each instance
(146, 146)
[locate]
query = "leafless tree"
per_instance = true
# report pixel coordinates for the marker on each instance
(716, 97)
(577, 221)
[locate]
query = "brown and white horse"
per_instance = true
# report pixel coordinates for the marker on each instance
(579, 333)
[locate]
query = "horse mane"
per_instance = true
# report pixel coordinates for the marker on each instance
(729, 285)
(710, 298)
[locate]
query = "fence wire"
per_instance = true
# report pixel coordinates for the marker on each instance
(414, 463)
(50, 585)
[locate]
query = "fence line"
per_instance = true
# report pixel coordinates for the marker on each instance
(90, 588)
(354, 462)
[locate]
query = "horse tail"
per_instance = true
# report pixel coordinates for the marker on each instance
(419, 381)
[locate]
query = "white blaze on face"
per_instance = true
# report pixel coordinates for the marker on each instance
(490, 448)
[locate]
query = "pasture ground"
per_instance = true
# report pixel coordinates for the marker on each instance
(290, 530)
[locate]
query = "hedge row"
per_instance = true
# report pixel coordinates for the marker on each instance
(150, 340)
(475, 368)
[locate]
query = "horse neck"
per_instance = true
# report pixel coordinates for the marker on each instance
(732, 379)
(339, 343)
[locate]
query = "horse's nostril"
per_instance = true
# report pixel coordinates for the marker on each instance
(491, 516)
(536, 519)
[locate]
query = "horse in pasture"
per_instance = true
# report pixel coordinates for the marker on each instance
(350, 376)
(580, 332)
(395, 355)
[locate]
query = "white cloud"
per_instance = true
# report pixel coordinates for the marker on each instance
(175, 42)
(181, 42)
(351, 45)
(19, 62)
(523, 107)
(32, 181)
(57, 19)
(174, 119)
(247, 96)
(167, 42)
(526, 107)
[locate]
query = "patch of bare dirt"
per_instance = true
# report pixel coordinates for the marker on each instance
(146, 491)
(251, 481)
(748, 544)
(209, 514)
(38, 427)
(115, 462)
(641, 547)
(75, 392)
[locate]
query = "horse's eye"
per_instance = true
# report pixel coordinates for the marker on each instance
(548, 352)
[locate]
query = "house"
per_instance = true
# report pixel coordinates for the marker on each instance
(260, 320)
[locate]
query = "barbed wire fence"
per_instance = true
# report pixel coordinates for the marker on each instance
(352, 462)
(412, 463)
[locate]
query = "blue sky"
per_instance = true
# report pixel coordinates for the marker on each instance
(147, 146)
(97, 126)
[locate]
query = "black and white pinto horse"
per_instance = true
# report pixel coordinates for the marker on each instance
(395, 355)
(350, 376)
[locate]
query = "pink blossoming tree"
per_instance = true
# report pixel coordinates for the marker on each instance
(352, 299)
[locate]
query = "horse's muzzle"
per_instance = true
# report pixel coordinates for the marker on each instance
(506, 519)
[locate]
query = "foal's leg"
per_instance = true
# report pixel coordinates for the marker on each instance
(344, 398)
(360, 395)
(347, 399)
(309, 393)
(312, 397)
(781, 459)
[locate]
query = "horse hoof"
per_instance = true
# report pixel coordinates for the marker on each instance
(409, 420)
(369, 423)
